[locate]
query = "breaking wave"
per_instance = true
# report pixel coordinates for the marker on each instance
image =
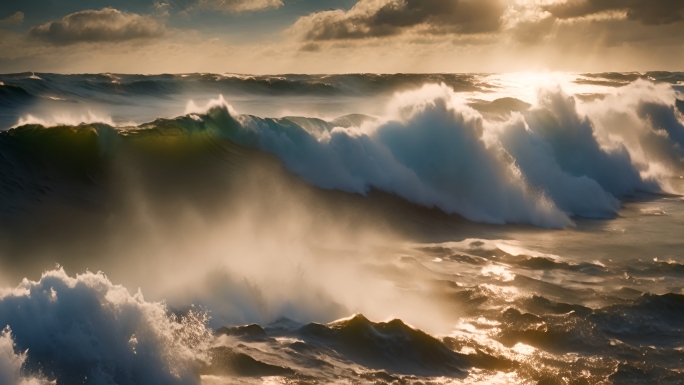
(88, 330)
(541, 164)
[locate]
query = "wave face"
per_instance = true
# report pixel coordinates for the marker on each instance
(469, 228)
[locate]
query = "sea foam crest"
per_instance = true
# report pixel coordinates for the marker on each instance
(430, 151)
(65, 120)
(84, 328)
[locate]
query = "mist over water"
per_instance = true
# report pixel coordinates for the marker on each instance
(220, 229)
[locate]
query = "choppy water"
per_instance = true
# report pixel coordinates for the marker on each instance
(522, 228)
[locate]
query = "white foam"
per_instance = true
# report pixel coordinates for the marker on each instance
(431, 150)
(193, 109)
(540, 167)
(85, 326)
(66, 119)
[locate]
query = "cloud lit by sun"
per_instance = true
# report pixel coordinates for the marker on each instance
(331, 36)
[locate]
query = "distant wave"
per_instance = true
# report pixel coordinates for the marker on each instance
(11, 95)
(111, 85)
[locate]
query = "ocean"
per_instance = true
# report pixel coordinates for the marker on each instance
(209, 229)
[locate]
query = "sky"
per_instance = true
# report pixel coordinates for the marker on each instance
(340, 36)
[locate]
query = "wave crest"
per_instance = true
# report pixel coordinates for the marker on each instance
(85, 327)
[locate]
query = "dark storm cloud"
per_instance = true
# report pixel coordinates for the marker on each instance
(646, 11)
(373, 18)
(106, 25)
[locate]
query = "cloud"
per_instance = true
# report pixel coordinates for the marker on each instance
(648, 12)
(378, 18)
(469, 23)
(310, 47)
(15, 19)
(236, 6)
(105, 25)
